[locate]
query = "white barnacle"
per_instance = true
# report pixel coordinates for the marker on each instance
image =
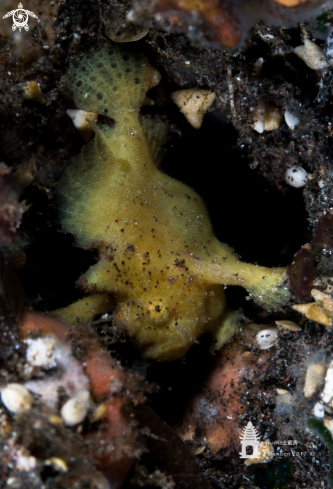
(327, 393)
(57, 463)
(81, 120)
(296, 176)
(75, 409)
(266, 338)
(32, 91)
(315, 374)
(291, 119)
(289, 325)
(16, 398)
(266, 117)
(312, 55)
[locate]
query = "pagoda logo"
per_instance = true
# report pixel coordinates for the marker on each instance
(249, 438)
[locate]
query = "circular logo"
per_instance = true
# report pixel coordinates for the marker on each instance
(20, 18)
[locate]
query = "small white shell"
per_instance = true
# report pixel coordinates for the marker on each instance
(312, 55)
(266, 117)
(285, 397)
(327, 393)
(266, 338)
(32, 91)
(257, 67)
(16, 398)
(99, 412)
(281, 392)
(291, 119)
(193, 103)
(285, 324)
(296, 176)
(200, 450)
(247, 355)
(259, 117)
(319, 410)
(80, 120)
(73, 412)
(315, 374)
(58, 463)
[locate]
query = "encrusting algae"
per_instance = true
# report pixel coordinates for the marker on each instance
(160, 268)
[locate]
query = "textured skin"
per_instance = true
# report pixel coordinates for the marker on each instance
(158, 257)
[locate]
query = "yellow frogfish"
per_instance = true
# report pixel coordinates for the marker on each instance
(161, 270)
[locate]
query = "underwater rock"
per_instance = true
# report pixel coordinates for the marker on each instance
(323, 233)
(302, 273)
(168, 452)
(98, 373)
(11, 210)
(212, 415)
(222, 22)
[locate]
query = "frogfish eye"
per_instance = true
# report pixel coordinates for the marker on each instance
(157, 311)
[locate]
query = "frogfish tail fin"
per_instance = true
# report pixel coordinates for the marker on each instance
(80, 186)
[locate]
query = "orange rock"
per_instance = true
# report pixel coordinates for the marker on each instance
(221, 23)
(225, 22)
(216, 407)
(290, 3)
(117, 440)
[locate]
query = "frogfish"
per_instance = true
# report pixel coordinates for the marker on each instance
(161, 271)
